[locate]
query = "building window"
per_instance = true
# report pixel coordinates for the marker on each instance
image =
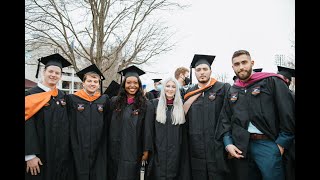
(65, 84)
(66, 74)
(77, 85)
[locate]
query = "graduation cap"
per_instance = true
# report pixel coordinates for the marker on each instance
(286, 72)
(112, 89)
(53, 60)
(235, 78)
(131, 71)
(200, 59)
(156, 80)
(92, 68)
(257, 70)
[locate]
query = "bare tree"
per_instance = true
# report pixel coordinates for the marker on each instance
(112, 34)
(291, 57)
(223, 77)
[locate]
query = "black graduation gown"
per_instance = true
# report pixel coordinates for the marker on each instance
(89, 136)
(47, 137)
(289, 156)
(155, 93)
(207, 155)
(168, 157)
(149, 95)
(269, 105)
(130, 134)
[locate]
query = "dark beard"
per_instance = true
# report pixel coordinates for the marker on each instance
(204, 82)
(248, 75)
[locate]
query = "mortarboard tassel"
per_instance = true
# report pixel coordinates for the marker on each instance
(38, 68)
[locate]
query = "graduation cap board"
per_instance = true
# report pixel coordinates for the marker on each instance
(112, 89)
(200, 59)
(52, 60)
(257, 70)
(92, 68)
(235, 78)
(156, 80)
(131, 71)
(286, 72)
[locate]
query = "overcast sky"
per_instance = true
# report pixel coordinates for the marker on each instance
(220, 27)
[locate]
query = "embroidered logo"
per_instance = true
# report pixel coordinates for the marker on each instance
(80, 107)
(256, 90)
(135, 112)
(100, 107)
(63, 102)
(212, 96)
(234, 97)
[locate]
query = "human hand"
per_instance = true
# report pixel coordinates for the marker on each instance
(33, 166)
(234, 151)
(281, 149)
(145, 156)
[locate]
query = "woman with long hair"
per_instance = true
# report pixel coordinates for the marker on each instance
(130, 138)
(170, 149)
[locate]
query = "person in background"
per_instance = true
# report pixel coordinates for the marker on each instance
(182, 75)
(257, 121)
(113, 89)
(202, 106)
(157, 87)
(286, 73)
(130, 132)
(47, 145)
(169, 160)
(89, 112)
(148, 95)
(289, 157)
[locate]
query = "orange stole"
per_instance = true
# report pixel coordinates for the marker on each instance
(34, 102)
(82, 94)
(189, 94)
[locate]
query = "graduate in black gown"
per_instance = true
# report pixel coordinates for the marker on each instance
(130, 131)
(157, 88)
(149, 95)
(47, 144)
(88, 112)
(112, 89)
(257, 121)
(289, 157)
(203, 104)
(169, 160)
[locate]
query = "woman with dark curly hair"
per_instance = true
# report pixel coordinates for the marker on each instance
(130, 129)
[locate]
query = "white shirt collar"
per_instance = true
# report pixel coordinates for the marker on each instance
(45, 88)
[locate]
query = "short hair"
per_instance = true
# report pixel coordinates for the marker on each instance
(239, 53)
(91, 73)
(180, 70)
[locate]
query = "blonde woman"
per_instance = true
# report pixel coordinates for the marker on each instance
(169, 139)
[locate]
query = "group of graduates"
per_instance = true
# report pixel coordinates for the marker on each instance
(204, 131)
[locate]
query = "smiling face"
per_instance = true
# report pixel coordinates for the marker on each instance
(91, 83)
(242, 66)
(131, 85)
(51, 76)
(170, 89)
